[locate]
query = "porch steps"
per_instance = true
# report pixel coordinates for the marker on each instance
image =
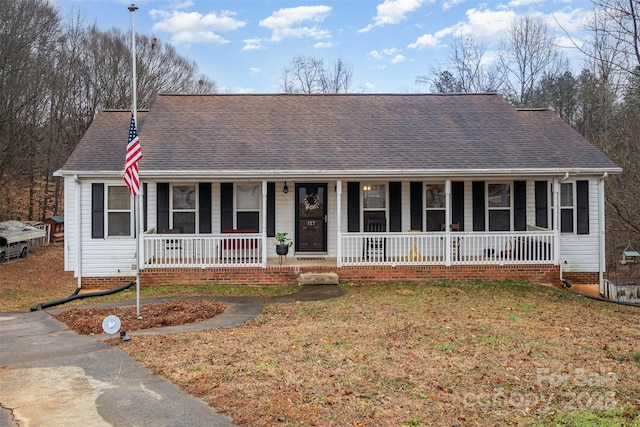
(318, 279)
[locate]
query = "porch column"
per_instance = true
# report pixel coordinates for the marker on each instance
(447, 222)
(264, 223)
(556, 221)
(339, 222)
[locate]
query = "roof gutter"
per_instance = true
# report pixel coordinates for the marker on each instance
(373, 173)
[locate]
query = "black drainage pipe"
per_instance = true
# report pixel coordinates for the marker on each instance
(76, 295)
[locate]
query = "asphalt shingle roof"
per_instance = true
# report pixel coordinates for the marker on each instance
(263, 133)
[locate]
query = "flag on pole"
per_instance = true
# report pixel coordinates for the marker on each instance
(131, 162)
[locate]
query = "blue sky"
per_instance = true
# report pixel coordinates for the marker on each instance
(244, 44)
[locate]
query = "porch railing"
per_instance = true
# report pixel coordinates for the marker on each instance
(411, 248)
(197, 250)
(441, 248)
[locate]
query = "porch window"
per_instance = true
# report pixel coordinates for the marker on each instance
(184, 208)
(374, 203)
(118, 211)
(499, 207)
(436, 204)
(248, 207)
(566, 207)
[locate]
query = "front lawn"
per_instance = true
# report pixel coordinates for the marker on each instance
(416, 355)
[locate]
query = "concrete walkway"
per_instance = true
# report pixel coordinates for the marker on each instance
(52, 376)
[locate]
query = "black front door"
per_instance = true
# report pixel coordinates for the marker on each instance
(311, 217)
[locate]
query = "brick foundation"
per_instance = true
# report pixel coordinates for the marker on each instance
(581, 278)
(543, 273)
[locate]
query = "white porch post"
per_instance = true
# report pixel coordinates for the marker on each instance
(556, 221)
(447, 221)
(339, 222)
(264, 223)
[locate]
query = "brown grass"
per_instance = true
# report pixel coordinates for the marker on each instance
(36, 279)
(391, 355)
(460, 354)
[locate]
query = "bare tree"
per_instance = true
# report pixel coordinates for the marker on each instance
(528, 55)
(307, 74)
(338, 79)
(470, 70)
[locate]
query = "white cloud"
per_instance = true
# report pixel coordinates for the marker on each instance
(289, 17)
(195, 27)
(424, 41)
(393, 12)
(392, 55)
(323, 45)
(280, 34)
(448, 4)
(252, 44)
(287, 23)
(255, 70)
(521, 3)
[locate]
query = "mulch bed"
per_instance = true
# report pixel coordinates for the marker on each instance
(88, 321)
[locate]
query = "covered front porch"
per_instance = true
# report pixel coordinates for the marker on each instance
(354, 249)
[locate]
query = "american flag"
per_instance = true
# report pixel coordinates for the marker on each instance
(133, 156)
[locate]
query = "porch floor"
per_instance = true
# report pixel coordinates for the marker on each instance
(302, 261)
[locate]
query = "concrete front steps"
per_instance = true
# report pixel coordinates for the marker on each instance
(318, 279)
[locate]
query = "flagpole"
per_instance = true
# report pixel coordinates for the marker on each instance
(134, 108)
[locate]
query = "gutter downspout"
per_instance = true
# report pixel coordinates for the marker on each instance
(78, 230)
(602, 227)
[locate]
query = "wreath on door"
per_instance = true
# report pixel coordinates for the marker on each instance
(311, 202)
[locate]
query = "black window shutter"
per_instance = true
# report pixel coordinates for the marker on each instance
(477, 196)
(271, 209)
(204, 219)
(519, 205)
(542, 203)
(415, 201)
(97, 210)
(582, 202)
(145, 207)
(163, 206)
(226, 206)
(353, 207)
(457, 203)
(395, 206)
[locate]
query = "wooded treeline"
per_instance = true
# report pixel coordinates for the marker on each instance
(55, 76)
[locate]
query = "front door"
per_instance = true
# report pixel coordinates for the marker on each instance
(311, 217)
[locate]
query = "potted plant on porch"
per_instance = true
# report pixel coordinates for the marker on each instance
(282, 248)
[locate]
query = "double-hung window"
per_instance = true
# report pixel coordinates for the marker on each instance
(183, 205)
(374, 204)
(436, 205)
(574, 207)
(499, 206)
(118, 211)
(566, 207)
(248, 207)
